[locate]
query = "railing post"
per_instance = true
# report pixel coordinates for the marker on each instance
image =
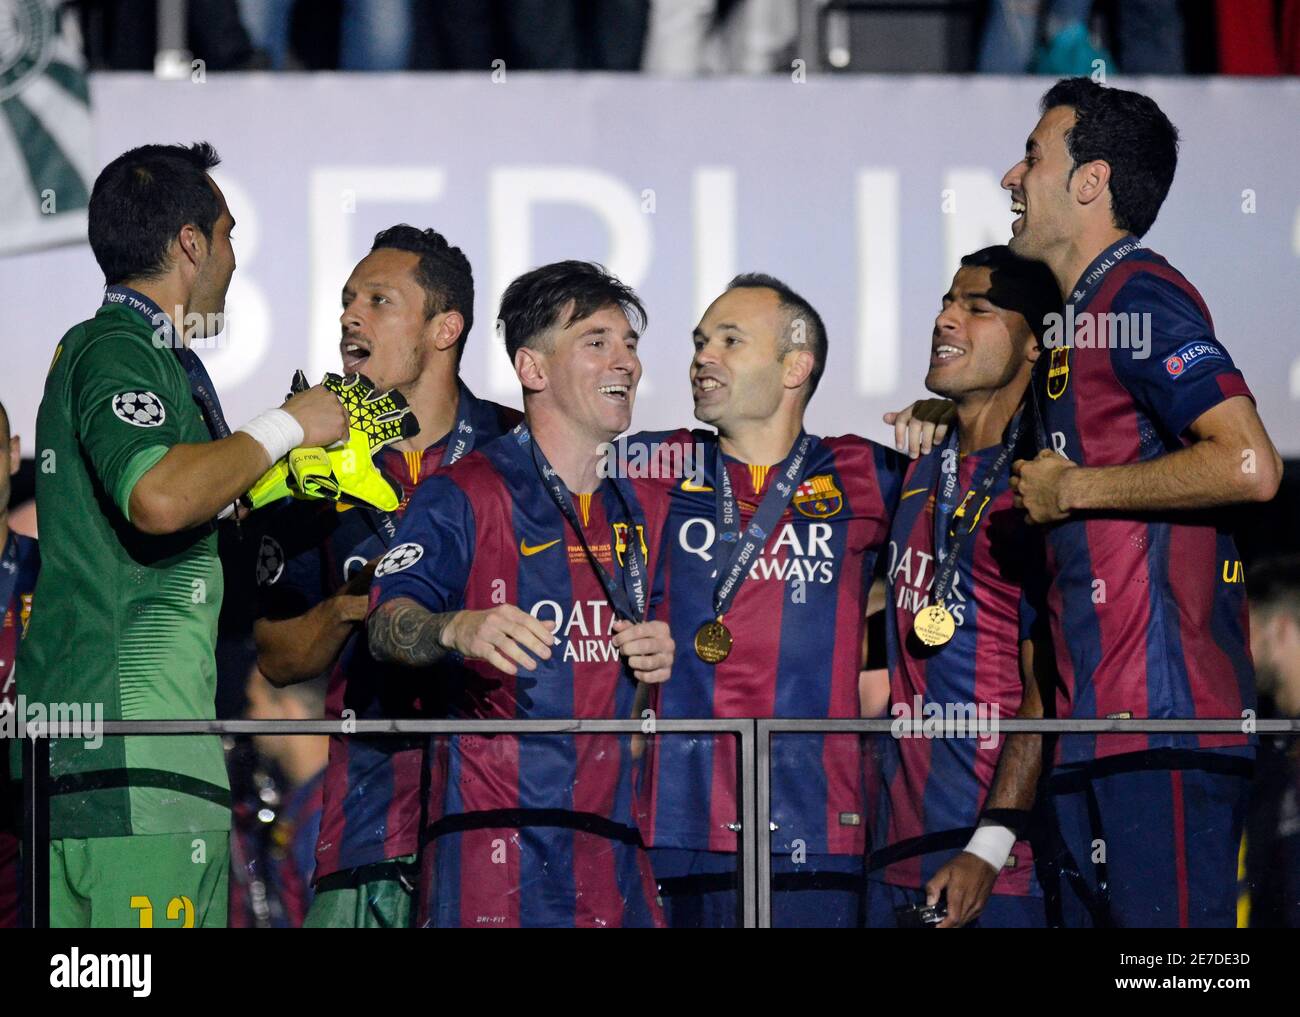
(36, 829)
(746, 855)
(763, 822)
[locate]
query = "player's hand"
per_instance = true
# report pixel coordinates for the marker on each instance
(1038, 486)
(648, 648)
(922, 425)
(320, 415)
(504, 636)
(352, 601)
(350, 608)
(968, 880)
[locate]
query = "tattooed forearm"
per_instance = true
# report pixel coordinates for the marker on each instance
(403, 632)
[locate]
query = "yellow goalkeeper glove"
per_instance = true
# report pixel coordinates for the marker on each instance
(346, 472)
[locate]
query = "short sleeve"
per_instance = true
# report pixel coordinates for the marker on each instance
(431, 556)
(126, 409)
(1178, 370)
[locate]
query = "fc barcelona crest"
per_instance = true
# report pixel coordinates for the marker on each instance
(1058, 371)
(620, 540)
(818, 497)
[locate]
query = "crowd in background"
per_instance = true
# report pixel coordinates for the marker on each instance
(691, 37)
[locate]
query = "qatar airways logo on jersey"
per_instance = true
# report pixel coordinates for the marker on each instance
(586, 627)
(911, 577)
(799, 554)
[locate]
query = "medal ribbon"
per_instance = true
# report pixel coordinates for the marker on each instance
(770, 510)
(460, 443)
(628, 600)
(948, 546)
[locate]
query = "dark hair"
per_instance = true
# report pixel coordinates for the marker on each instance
(142, 199)
(1274, 582)
(444, 272)
(796, 309)
(1131, 133)
(534, 302)
(1019, 284)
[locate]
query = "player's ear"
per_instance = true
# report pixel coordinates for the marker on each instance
(1091, 181)
(448, 327)
(189, 248)
(530, 369)
(798, 368)
(15, 454)
(1033, 349)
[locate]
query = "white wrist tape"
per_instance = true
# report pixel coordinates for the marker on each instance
(992, 843)
(276, 431)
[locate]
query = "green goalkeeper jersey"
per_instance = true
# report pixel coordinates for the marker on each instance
(125, 619)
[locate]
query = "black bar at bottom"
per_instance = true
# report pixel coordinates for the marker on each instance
(36, 832)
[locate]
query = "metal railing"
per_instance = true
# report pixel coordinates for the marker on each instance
(36, 773)
(753, 780)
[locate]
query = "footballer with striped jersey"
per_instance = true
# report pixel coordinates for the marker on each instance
(954, 812)
(769, 553)
(407, 309)
(1142, 444)
(520, 587)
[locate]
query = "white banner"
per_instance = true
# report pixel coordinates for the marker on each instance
(861, 192)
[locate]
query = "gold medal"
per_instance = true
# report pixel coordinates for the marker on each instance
(934, 626)
(713, 642)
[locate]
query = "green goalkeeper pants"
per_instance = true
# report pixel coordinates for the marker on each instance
(165, 880)
(379, 896)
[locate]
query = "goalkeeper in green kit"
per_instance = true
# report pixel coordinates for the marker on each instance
(137, 464)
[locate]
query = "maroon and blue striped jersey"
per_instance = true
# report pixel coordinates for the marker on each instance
(20, 561)
(797, 625)
(1148, 611)
(311, 548)
(535, 830)
(934, 787)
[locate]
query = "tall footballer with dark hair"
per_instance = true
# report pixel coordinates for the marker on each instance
(1146, 430)
(140, 464)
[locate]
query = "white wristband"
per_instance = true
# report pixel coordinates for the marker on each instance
(992, 843)
(276, 431)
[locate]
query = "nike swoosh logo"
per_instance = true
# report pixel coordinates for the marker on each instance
(527, 551)
(915, 490)
(688, 486)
